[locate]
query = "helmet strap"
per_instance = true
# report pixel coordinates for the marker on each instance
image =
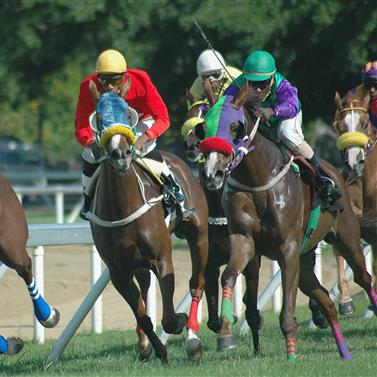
(269, 88)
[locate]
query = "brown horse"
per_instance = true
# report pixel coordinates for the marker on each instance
(356, 141)
(141, 240)
(13, 238)
(218, 233)
(268, 208)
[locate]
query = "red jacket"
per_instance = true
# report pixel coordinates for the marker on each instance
(142, 96)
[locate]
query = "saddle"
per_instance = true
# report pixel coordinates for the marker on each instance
(325, 193)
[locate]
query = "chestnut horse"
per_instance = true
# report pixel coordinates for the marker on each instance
(218, 234)
(14, 233)
(268, 208)
(130, 233)
(356, 139)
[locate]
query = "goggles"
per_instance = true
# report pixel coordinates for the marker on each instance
(106, 79)
(261, 84)
(215, 76)
(369, 83)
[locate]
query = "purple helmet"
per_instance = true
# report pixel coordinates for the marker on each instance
(369, 72)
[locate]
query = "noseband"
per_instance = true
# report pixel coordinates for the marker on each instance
(352, 139)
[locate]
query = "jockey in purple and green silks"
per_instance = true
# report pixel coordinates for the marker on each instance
(280, 106)
(369, 81)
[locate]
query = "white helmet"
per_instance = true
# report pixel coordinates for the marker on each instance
(208, 63)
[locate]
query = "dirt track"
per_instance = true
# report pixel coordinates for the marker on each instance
(67, 282)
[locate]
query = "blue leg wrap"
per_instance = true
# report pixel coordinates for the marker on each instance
(3, 345)
(42, 310)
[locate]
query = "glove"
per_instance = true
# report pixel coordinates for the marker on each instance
(140, 142)
(264, 113)
(96, 150)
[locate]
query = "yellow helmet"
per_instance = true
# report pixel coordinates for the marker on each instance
(111, 61)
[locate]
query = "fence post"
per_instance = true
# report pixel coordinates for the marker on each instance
(151, 300)
(237, 297)
(276, 297)
(59, 204)
(95, 272)
(38, 271)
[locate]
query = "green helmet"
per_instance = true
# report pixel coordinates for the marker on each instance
(259, 66)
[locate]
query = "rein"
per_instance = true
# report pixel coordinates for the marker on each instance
(148, 204)
(242, 152)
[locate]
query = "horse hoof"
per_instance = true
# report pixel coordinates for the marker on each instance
(182, 319)
(15, 345)
(214, 326)
(346, 308)
(320, 321)
(225, 342)
(145, 355)
(194, 349)
(52, 320)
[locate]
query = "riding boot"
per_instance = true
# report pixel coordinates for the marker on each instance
(325, 186)
(86, 206)
(87, 193)
(173, 194)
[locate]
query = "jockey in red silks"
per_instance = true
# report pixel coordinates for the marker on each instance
(369, 81)
(142, 96)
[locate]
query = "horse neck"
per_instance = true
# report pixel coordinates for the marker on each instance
(261, 164)
(118, 191)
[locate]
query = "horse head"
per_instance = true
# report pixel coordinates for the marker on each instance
(221, 135)
(353, 128)
(194, 116)
(115, 122)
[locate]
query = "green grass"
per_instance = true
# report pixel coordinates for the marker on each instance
(113, 353)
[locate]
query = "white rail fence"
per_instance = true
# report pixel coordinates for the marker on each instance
(58, 191)
(72, 234)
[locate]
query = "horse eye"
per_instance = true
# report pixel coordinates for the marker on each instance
(200, 131)
(237, 131)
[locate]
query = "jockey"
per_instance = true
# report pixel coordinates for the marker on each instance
(281, 107)
(111, 72)
(369, 81)
(209, 66)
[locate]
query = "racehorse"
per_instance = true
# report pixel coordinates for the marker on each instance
(356, 139)
(13, 238)
(269, 212)
(218, 234)
(132, 237)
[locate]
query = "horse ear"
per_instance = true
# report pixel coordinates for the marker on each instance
(189, 96)
(242, 95)
(94, 91)
(338, 100)
(124, 88)
(211, 96)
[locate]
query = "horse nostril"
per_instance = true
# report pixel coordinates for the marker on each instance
(116, 154)
(219, 174)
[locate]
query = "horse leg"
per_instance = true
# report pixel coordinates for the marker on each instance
(199, 255)
(346, 305)
(374, 265)
(47, 315)
(317, 317)
(212, 274)
(123, 283)
(250, 299)
(242, 251)
(144, 347)
(348, 244)
(311, 287)
(289, 266)
(172, 323)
